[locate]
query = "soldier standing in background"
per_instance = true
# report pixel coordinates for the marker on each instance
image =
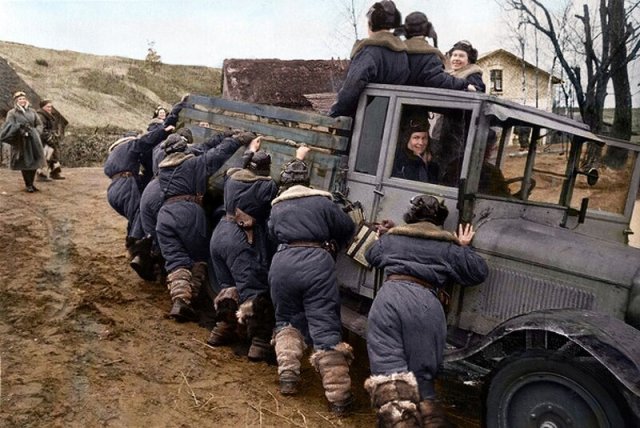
(50, 137)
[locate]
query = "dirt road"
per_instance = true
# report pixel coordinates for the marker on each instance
(85, 343)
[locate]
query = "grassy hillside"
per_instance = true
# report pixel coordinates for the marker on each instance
(101, 91)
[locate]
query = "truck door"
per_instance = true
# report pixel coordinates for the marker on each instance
(383, 175)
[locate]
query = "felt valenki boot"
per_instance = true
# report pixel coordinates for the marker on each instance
(289, 346)
(225, 331)
(179, 285)
(333, 366)
(259, 317)
(395, 398)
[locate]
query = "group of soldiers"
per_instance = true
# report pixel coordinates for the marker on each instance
(271, 253)
(263, 255)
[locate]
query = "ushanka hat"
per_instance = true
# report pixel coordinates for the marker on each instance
(384, 16)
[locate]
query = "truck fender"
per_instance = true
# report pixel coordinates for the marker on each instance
(612, 342)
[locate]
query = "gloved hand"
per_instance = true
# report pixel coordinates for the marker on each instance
(244, 137)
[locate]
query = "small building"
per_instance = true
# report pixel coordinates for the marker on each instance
(503, 75)
(282, 83)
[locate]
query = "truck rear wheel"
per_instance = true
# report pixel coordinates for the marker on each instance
(543, 393)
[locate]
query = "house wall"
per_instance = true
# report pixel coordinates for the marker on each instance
(512, 81)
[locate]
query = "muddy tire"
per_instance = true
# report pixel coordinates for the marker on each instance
(536, 391)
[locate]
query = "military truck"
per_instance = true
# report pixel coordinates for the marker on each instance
(553, 333)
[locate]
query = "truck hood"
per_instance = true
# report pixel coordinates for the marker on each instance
(560, 249)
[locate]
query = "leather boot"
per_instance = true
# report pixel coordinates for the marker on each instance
(179, 285)
(333, 366)
(259, 317)
(433, 416)
(56, 172)
(225, 331)
(289, 345)
(395, 398)
(141, 260)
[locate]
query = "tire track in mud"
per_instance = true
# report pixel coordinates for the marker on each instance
(84, 342)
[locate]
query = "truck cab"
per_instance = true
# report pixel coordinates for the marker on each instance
(553, 334)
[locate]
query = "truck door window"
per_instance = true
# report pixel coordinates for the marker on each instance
(430, 144)
(610, 191)
(371, 139)
(531, 164)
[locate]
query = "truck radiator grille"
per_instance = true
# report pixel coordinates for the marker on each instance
(508, 293)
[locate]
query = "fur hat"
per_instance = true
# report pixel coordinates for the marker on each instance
(293, 173)
(260, 163)
(465, 45)
(383, 15)
(175, 143)
(44, 102)
(19, 94)
(419, 125)
(417, 24)
(426, 208)
(186, 133)
(244, 137)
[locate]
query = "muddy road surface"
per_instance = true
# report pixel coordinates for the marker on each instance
(85, 343)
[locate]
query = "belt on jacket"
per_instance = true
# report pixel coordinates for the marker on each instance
(440, 293)
(197, 199)
(410, 278)
(329, 246)
(122, 174)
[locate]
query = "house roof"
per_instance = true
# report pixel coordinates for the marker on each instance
(516, 58)
(10, 83)
(281, 82)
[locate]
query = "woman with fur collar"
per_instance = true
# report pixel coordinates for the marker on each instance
(406, 328)
(425, 61)
(380, 58)
(21, 130)
(462, 64)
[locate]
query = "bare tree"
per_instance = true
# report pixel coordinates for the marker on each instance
(350, 13)
(608, 45)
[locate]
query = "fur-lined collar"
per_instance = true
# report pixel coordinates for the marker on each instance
(419, 45)
(425, 230)
(466, 71)
(175, 159)
(245, 175)
(299, 191)
(381, 38)
(121, 141)
(45, 114)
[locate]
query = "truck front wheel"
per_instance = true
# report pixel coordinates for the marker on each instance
(536, 391)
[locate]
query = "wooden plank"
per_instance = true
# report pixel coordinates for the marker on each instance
(342, 123)
(306, 136)
(353, 321)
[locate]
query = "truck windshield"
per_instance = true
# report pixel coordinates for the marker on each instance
(530, 163)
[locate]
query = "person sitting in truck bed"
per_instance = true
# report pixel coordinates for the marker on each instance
(413, 161)
(462, 64)
(406, 327)
(426, 62)
(380, 58)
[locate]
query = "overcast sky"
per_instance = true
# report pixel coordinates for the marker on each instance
(205, 32)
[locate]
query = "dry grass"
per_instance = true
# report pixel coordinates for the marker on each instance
(106, 91)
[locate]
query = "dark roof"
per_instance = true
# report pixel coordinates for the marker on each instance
(10, 83)
(280, 82)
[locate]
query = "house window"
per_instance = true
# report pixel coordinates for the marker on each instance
(496, 80)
